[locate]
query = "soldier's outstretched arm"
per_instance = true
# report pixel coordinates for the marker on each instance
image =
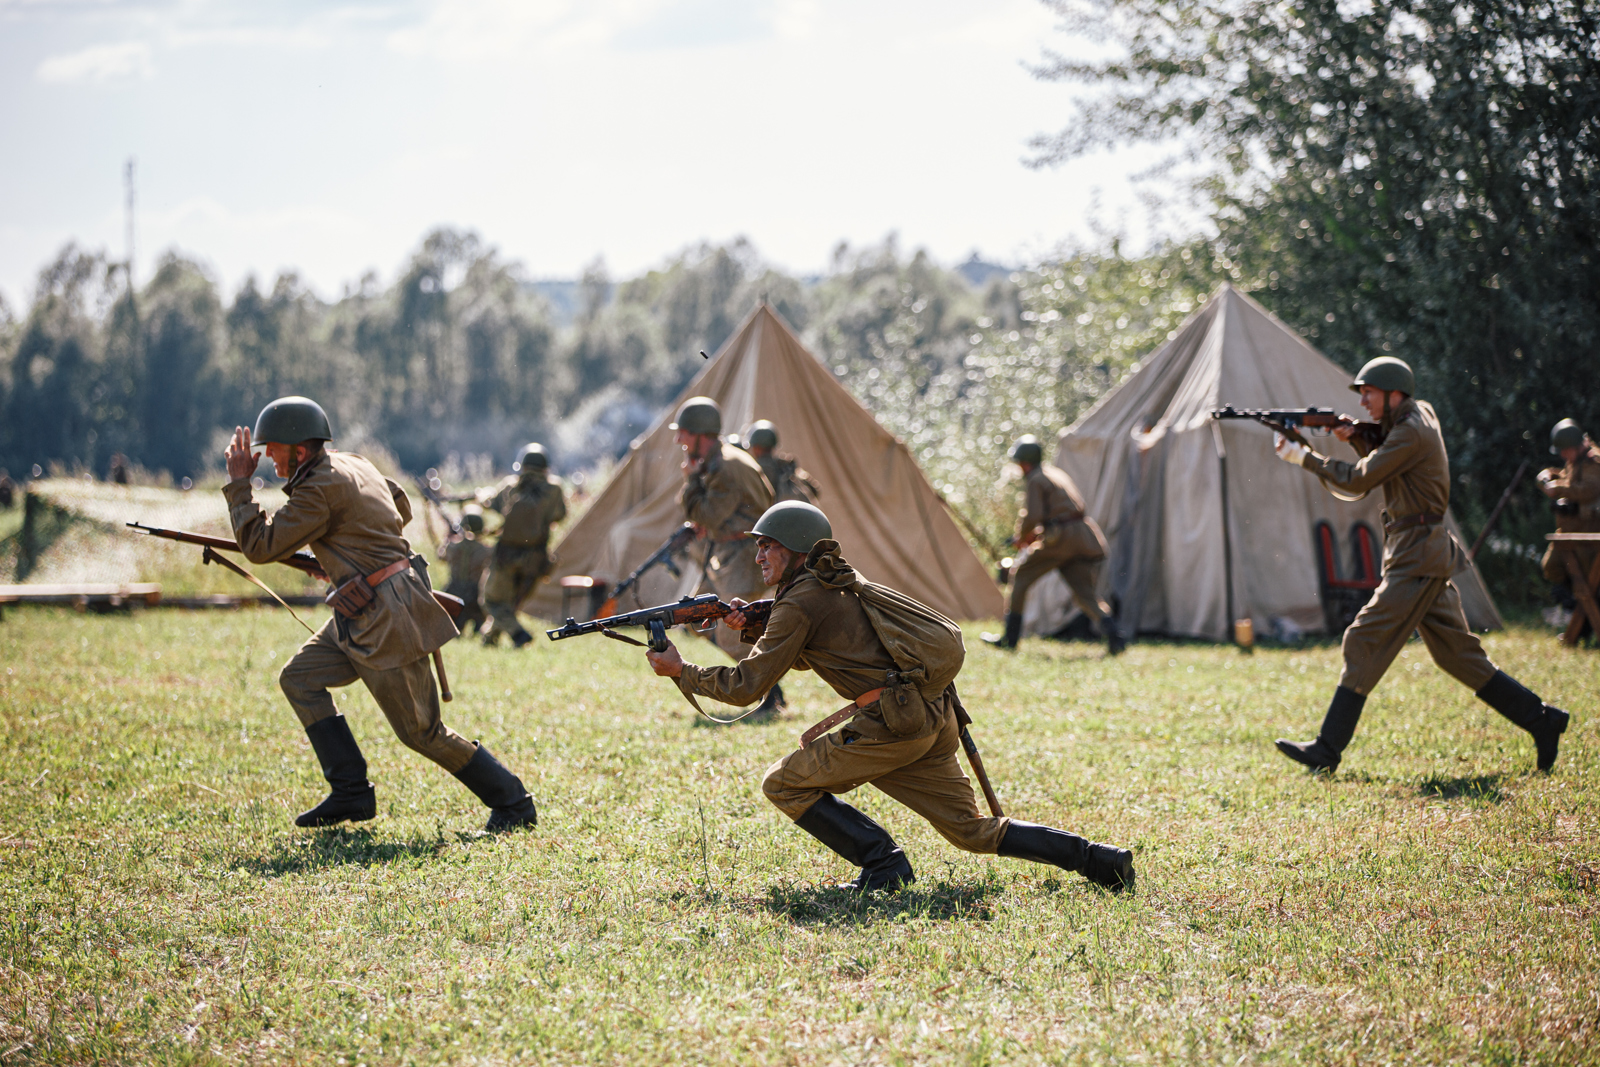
(775, 654)
(1396, 455)
(267, 538)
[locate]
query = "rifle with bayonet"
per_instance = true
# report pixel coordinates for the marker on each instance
(699, 613)
(1290, 421)
(660, 557)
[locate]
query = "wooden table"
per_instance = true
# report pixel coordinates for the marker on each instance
(1583, 588)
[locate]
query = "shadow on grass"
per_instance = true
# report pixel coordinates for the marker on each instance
(340, 848)
(1484, 787)
(806, 904)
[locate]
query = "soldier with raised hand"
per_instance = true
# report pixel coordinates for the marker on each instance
(468, 559)
(900, 739)
(386, 621)
(724, 493)
(531, 502)
(1419, 556)
(1574, 490)
(788, 480)
(1054, 533)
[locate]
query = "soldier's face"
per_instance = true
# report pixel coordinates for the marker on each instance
(1569, 454)
(1372, 401)
(773, 559)
(279, 454)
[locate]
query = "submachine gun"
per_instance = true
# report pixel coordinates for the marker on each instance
(1290, 421)
(697, 612)
(660, 557)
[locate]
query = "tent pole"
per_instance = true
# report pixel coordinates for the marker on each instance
(1227, 538)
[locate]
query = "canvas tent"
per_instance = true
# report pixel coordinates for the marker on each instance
(890, 523)
(1205, 523)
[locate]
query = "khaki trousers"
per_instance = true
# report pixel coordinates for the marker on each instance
(1082, 575)
(921, 772)
(1399, 606)
(406, 694)
(733, 573)
(513, 572)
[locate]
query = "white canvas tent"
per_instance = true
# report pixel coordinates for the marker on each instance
(1205, 523)
(889, 522)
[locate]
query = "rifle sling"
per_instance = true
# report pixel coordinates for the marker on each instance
(210, 555)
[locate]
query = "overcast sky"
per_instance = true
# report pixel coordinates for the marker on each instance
(329, 138)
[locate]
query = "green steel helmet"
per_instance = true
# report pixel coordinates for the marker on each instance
(1028, 450)
(289, 420)
(472, 518)
(794, 524)
(699, 414)
(532, 456)
(1565, 434)
(1388, 374)
(762, 435)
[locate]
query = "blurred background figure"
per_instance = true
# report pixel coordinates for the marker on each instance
(1574, 491)
(531, 501)
(783, 471)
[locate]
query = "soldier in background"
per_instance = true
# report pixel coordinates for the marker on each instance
(1416, 594)
(468, 559)
(8, 489)
(1574, 489)
(1054, 534)
(788, 480)
(386, 621)
(724, 493)
(119, 469)
(532, 502)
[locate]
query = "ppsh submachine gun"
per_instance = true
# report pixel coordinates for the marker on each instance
(1290, 421)
(661, 557)
(699, 613)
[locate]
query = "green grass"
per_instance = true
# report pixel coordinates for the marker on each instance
(1433, 902)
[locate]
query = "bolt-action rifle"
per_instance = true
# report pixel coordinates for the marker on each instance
(660, 557)
(697, 612)
(1289, 422)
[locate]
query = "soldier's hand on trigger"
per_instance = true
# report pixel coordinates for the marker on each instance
(241, 462)
(1344, 432)
(668, 664)
(734, 620)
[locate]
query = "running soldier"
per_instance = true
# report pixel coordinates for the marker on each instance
(468, 559)
(1574, 491)
(532, 502)
(1419, 556)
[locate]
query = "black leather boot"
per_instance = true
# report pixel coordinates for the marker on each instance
(350, 797)
(1518, 703)
(1115, 642)
(509, 804)
(1012, 635)
(1338, 726)
(772, 705)
(1104, 865)
(859, 840)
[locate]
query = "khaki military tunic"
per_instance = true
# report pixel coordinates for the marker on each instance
(788, 481)
(468, 560)
(1069, 542)
(1578, 489)
(531, 504)
(725, 495)
(1419, 555)
(351, 518)
(817, 624)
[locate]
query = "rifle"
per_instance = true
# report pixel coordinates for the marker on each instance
(1288, 421)
(698, 612)
(430, 496)
(676, 543)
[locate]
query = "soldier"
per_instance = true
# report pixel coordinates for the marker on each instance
(1054, 534)
(904, 743)
(1419, 555)
(724, 492)
(783, 471)
(531, 502)
(386, 623)
(8, 489)
(1575, 489)
(468, 559)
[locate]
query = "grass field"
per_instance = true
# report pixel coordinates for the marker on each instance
(1434, 902)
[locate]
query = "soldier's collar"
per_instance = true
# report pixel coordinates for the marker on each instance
(304, 470)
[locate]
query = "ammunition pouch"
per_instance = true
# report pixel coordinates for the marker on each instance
(904, 710)
(353, 597)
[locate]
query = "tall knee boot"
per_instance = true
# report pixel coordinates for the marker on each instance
(502, 792)
(1104, 865)
(859, 840)
(1516, 702)
(1012, 635)
(351, 797)
(1338, 726)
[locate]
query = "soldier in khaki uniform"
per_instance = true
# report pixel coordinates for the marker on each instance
(724, 493)
(532, 502)
(351, 517)
(1575, 490)
(468, 559)
(1055, 534)
(783, 471)
(903, 743)
(1419, 556)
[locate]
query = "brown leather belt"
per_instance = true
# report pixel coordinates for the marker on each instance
(377, 578)
(847, 712)
(1406, 522)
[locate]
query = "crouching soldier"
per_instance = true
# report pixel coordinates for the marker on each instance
(386, 621)
(1419, 556)
(897, 738)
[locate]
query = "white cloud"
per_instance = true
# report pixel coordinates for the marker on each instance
(99, 63)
